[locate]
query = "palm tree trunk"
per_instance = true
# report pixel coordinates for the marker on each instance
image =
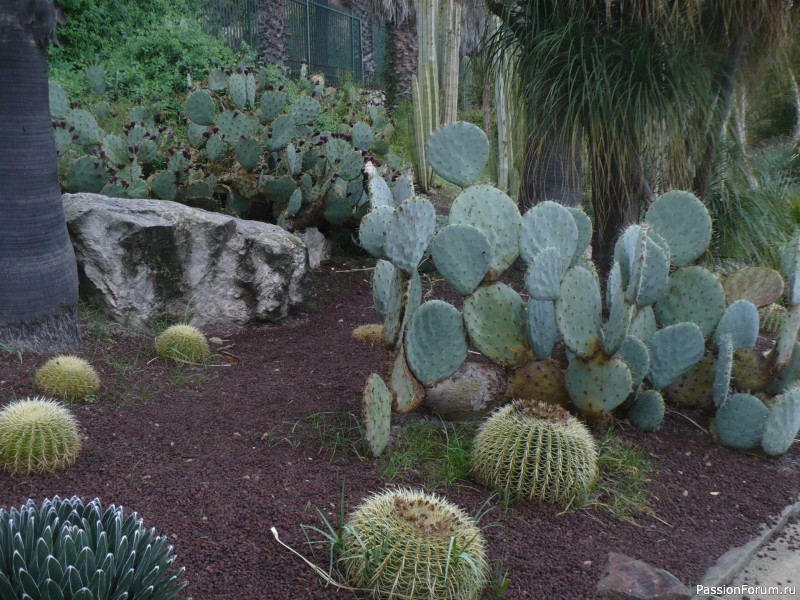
(38, 273)
(359, 7)
(271, 32)
(552, 171)
(402, 59)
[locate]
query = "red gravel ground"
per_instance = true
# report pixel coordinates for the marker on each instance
(185, 448)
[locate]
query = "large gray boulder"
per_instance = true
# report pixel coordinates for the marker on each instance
(146, 259)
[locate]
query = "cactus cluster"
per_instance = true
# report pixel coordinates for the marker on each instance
(665, 326)
(248, 148)
(71, 550)
(37, 435)
(408, 544)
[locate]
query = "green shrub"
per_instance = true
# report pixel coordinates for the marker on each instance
(84, 551)
(37, 436)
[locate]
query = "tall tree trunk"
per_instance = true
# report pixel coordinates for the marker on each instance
(38, 274)
(402, 59)
(271, 32)
(618, 187)
(552, 170)
(723, 84)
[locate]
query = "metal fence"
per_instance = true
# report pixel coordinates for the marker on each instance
(327, 38)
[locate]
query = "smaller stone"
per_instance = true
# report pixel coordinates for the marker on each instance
(216, 341)
(626, 578)
(317, 245)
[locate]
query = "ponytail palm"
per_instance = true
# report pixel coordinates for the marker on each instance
(38, 274)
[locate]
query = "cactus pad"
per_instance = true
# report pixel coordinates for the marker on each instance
(598, 386)
(462, 256)
(693, 294)
(377, 414)
(238, 90)
(435, 342)
(771, 318)
(548, 224)
(740, 423)
(694, 388)
(84, 126)
(541, 381)
(248, 152)
(87, 174)
(684, 222)
(740, 322)
(282, 132)
(407, 392)
(584, 224)
(496, 323)
(790, 265)
(721, 387)
(408, 233)
(379, 192)
(787, 336)
(543, 279)
(214, 147)
(645, 266)
(163, 185)
(304, 111)
(233, 125)
(760, 285)
(59, 104)
(750, 371)
(535, 451)
(458, 152)
(363, 137)
(578, 312)
(200, 108)
(498, 218)
(542, 331)
(790, 373)
(412, 300)
(782, 424)
(619, 313)
(387, 292)
(647, 411)
(402, 190)
(643, 323)
(673, 351)
(401, 544)
(635, 354)
(272, 104)
(372, 228)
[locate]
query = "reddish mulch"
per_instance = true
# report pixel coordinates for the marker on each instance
(183, 447)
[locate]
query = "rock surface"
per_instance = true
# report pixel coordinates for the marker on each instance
(626, 578)
(146, 259)
(470, 393)
(318, 246)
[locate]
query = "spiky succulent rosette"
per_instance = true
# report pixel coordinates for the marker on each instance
(67, 377)
(37, 435)
(183, 343)
(407, 544)
(535, 451)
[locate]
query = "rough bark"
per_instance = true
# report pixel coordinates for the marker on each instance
(38, 273)
(402, 59)
(552, 170)
(271, 15)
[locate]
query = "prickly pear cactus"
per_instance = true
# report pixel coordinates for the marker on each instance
(377, 409)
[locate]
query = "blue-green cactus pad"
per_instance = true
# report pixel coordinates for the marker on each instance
(214, 147)
(620, 313)
(498, 218)
(295, 202)
(548, 224)
(740, 423)
(163, 185)
(644, 264)
(116, 150)
(363, 137)
(85, 127)
(200, 108)
(373, 226)
(272, 104)
(304, 111)
(740, 322)
(598, 386)
(194, 133)
(647, 411)
(407, 392)
(787, 335)
(435, 341)
(248, 152)
(673, 351)
(237, 90)
(387, 293)
(402, 190)
(462, 256)
(543, 279)
(233, 125)
(338, 209)
(542, 331)
(584, 224)
(281, 134)
(113, 190)
(377, 413)
(578, 312)
(497, 324)
(87, 174)
(412, 300)
(720, 389)
(643, 323)
(783, 423)
(790, 265)
(684, 222)
(59, 104)
(790, 374)
(379, 192)
(408, 233)
(635, 354)
(458, 152)
(693, 294)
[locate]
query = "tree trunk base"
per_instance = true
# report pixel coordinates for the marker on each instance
(55, 333)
